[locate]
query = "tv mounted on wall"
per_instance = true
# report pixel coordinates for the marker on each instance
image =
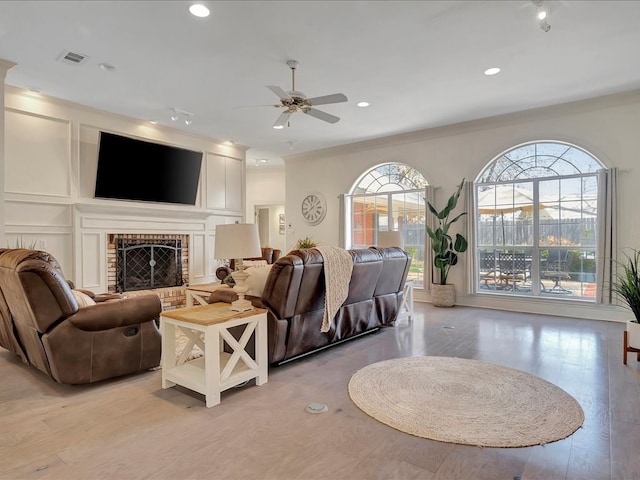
(130, 169)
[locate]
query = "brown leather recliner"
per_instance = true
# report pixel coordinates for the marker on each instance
(73, 345)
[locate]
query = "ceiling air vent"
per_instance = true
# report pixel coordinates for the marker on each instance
(72, 58)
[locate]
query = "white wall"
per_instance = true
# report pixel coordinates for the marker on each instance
(5, 66)
(51, 152)
(266, 188)
(607, 127)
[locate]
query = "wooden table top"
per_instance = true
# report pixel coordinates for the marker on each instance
(209, 314)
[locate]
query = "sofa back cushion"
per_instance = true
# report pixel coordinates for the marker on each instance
(396, 264)
(282, 287)
(367, 267)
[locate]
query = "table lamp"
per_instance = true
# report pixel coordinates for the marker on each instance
(237, 241)
(391, 238)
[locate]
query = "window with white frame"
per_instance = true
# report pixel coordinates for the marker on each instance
(389, 197)
(536, 214)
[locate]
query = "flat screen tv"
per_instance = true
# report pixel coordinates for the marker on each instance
(130, 169)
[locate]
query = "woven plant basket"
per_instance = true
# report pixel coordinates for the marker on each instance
(633, 334)
(443, 295)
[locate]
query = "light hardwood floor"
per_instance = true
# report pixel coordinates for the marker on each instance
(131, 428)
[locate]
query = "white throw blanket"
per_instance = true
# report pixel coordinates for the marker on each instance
(338, 266)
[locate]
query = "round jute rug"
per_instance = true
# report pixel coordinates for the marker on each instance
(465, 401)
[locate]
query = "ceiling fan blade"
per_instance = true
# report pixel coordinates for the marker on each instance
(256, 106)
(280, 92)
(282, 119)
(321, 115)
(326, 99)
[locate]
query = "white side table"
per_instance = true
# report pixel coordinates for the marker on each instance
(406, 308)
(199, 294)
(218, 370)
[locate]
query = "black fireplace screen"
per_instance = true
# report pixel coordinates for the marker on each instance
(143, 264)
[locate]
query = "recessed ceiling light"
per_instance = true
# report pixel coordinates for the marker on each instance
(34, 89)
(106, 67)
(278, 127)
(492, 71)
(153, 122)
(199, 10)
(261, 161)
(362, 104)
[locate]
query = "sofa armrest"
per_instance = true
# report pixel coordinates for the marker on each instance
(117, 313)
(103, 297)
(227, 295)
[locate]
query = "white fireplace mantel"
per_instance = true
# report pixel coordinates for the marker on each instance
(93, 222)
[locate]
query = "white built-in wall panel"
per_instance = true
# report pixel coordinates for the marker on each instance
(216, 180)
(198, 270)
(94, 261)
(234, 196)
(37, 154)
(43, 215)
(88, 160)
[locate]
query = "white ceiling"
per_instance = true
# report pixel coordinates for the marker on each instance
(420, 64)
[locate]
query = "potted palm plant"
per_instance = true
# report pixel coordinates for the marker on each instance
(627, 288)
(446, 249)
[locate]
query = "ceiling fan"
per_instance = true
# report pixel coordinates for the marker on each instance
(295, 101)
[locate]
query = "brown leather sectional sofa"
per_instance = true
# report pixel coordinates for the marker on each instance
(42, 323)
(294, 295)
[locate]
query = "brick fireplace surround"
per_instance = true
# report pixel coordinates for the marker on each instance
(171, 297)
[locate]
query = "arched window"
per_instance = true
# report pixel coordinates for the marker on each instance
(536, 212)
(389, 197)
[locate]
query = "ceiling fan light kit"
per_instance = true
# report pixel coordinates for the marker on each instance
(296, 101)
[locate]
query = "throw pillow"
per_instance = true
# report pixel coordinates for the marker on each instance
(257, 279)
(83, 299)
(253, 263)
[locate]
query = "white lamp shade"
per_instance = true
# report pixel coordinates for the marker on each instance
(237, 240)
(389, 239)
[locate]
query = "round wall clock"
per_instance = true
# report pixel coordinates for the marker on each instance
(314, 208)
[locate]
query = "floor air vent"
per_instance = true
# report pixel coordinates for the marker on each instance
(73, 58)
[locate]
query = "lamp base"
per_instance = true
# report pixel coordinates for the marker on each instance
(241, 305)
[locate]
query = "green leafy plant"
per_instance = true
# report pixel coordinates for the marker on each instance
(627, 284)
(445, 247)
(305, 242)
(22, 243)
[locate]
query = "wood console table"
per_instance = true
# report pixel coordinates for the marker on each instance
(406, 309)
(199, 294)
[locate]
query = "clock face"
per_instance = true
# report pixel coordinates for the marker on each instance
(313, 209)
